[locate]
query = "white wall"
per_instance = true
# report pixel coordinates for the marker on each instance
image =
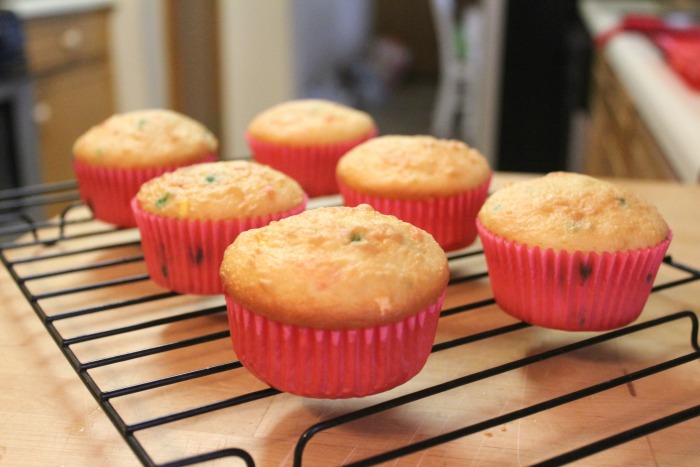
(257, 46)
(256, 60)
(138, 55)
(257, 68)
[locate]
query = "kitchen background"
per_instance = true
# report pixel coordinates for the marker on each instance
(231, 59)
(527, 85)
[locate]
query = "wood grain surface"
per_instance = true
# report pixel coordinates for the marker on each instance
(48, 417)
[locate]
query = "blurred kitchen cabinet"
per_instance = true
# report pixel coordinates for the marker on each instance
(69, 60)
(620, 145)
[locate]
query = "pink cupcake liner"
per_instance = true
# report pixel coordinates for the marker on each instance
(572, 291)
(312, 166)
(450, 219)
(332, 364)
(185, 255)
(108, 191)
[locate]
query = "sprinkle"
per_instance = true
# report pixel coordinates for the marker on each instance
(355, 237)
(161, 202)
(141, 123)
(585, 272)
(497, 207)
(384, 304)
(183, 207)
(269, 191)
(196, 256)
(210, 178)
(576, 225)
(622, 201)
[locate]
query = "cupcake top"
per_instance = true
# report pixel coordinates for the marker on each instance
(220, 190)
(145, 138)
(306, 122)
(335, 268)
(412, 167)
(573, 212)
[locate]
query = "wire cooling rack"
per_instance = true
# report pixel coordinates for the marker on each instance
(160, 364)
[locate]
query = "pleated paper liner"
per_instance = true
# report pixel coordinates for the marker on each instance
(572, 291)
(108, 191)
(185, 255)
(332, 364)
(449, 219)
(312, 166)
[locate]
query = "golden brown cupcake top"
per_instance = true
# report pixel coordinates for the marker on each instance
(307, 122)
(220, 190)
(573, 212)
(335, 268)
(412, 167)
(145, 138)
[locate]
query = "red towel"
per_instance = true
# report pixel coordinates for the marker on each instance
(680, 45)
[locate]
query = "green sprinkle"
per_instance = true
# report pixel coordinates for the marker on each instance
(355, 237)
(140, 124)
(497, 207)
(210, 178)
(573, 225)
(160, 203)
(622, 201)
(585, 272)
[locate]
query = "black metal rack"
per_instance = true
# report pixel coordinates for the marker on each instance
(49, 245)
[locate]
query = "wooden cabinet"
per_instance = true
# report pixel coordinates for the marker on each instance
(70, 64)
(621, 145)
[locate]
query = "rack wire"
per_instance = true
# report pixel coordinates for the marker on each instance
(85, 258)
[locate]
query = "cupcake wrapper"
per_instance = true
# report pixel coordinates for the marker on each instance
(108, 191)
(312, 166)
(572, 291)
(185, 255)
(332, 364)
(450, 219)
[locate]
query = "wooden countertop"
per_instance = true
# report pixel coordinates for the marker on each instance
(49, 418)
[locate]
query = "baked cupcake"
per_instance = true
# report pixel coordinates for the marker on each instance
(188, 217)
(435, 184)
(112, 159)
(305, 138)
(568, 251)
(335, 302)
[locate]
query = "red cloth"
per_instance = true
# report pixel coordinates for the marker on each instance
(680, 45)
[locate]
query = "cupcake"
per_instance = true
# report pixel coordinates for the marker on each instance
(335, 302)
(188, 217)
(435, 184)
(111, 160)
(568, 251)
(305, 138)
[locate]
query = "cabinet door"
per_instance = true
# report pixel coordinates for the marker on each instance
(620, 145)
(61, 41)
(67, 104)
